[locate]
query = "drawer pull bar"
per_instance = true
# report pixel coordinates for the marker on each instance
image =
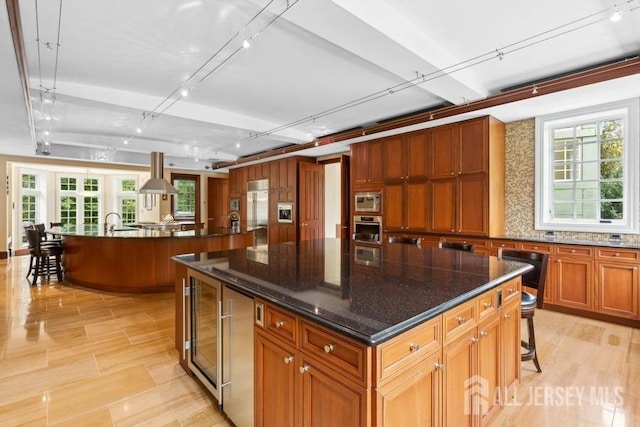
(328, 348)
(414, 347)
(288, 359)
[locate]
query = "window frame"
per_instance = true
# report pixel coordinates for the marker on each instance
(629, 110)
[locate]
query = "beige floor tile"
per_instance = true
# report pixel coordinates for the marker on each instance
(97, 418)
(30, 411)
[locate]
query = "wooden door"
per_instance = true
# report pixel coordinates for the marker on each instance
(574, 278)
(311, 201)
(276, 387)
(394, 158)
(617, 289)
(416, 205)
(472, 205)
(414, 398)
(473, 152)
(393, 206)
(442, 151)
(458, 392)
(328, 399)
(443, 202)
(510, 348)
(416, 147)
(217, 202)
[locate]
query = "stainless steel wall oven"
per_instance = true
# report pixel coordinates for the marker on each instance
(367, 228)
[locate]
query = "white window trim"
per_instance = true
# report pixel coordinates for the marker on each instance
(544, 170)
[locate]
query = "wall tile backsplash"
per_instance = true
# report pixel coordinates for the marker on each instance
(520, 188)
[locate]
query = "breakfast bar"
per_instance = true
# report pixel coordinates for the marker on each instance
(135, 260)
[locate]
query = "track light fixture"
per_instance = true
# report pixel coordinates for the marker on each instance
(616, 16)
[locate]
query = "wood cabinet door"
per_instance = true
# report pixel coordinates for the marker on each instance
(442, 199)
(393, 206)
(510, 348)
(473, 147)
(359, 165)
(414, 398)
(217, 202)
(617, 289)
(442, 151)
(311, 201)
(274, 175)
(416, 147)
(375, 161)
(460, 386)
(574, 282)
(235, 183)
(394, 156)
(416, 206)
(490, 366)
(472, 205)
(328, 399)
(276, 396)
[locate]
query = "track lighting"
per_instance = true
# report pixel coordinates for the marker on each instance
(138, 130)
(125, 142)
(246, 44)
(534, 91)
(616, 16)
(184, 92)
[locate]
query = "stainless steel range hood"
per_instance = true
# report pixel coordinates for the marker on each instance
(157, 184)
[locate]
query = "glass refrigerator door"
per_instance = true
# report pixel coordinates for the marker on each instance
(205, 343)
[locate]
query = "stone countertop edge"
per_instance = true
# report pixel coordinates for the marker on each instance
(241, 285)
(136, 233)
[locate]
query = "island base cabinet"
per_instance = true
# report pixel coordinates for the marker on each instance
(413, 398)
(510, 349)
(460, 385)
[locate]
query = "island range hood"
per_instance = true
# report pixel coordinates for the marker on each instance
(157, 184)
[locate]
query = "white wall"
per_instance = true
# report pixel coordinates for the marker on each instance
(332, 203)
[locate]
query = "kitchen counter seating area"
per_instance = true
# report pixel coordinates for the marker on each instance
(134, 260)
(389, 337)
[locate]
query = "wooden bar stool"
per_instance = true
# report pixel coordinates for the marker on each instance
(47, 257)
(533, 279)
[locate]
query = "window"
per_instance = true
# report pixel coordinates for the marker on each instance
(128, 200)
(79, 198)
(30, 202)
(586, 163)
(186, 201)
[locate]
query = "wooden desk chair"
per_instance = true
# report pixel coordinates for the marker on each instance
(535, 279)
(47, 257)
(458, 246)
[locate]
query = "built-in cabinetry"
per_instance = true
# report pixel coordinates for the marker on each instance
(283, 187)
(309, 375)
(447, 179)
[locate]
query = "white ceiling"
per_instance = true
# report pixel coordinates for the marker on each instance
(314, 67)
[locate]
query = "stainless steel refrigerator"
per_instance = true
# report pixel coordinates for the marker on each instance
(258, 208)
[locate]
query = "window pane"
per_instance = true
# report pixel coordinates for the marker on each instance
(91, 212)
(67, 184)
(128, 211)
(68, 210)
(128, 185)
(29, 181)
(611, 169)
(29, 209)
(611, 210)
(563, 210)
(185, 200)
(586, 210)
(90, 184)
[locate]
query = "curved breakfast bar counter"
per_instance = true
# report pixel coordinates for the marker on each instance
(135, 260)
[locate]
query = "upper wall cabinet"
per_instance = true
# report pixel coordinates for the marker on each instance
(366, 165)
(459, 148)
(405, 156)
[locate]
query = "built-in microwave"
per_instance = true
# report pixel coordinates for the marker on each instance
(367, 202)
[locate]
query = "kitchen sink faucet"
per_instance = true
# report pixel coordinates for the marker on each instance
(106, 224)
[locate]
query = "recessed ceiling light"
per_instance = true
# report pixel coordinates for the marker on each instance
(184, 92)
(46, 132)
(138, 130)
(125, 142)
(47, 118)
(238, 145)
(246, 44)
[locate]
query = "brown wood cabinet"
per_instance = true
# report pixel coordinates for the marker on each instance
(367, 165)
(405, 156)
(404, 206)
(573, 276)
(617, 282)
(459, 205)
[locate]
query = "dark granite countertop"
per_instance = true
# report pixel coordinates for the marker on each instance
(93, 230)
(367, 293)
(565, 241)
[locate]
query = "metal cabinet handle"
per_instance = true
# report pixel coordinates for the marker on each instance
(328, 348)
(414, 347)
(304, 369)
(484, 334)
(279, 323)
(487, 305)
(461, 319)
(506, 316)
(439, 366)
(475, 340)
(288, 359)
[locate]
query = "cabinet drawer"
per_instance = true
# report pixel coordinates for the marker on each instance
(574, 250)
(511, 290)
(618, 254)
(337, 352)
(495, 244)
(487, 304)
(536, 247)
(459, 320)
(402, 351)
(281, 324)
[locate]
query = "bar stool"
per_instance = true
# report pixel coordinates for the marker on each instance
(47, 257)
(458, 246)
(535, 279)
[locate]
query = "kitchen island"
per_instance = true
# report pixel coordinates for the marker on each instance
(134, 260)
(370, 335)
